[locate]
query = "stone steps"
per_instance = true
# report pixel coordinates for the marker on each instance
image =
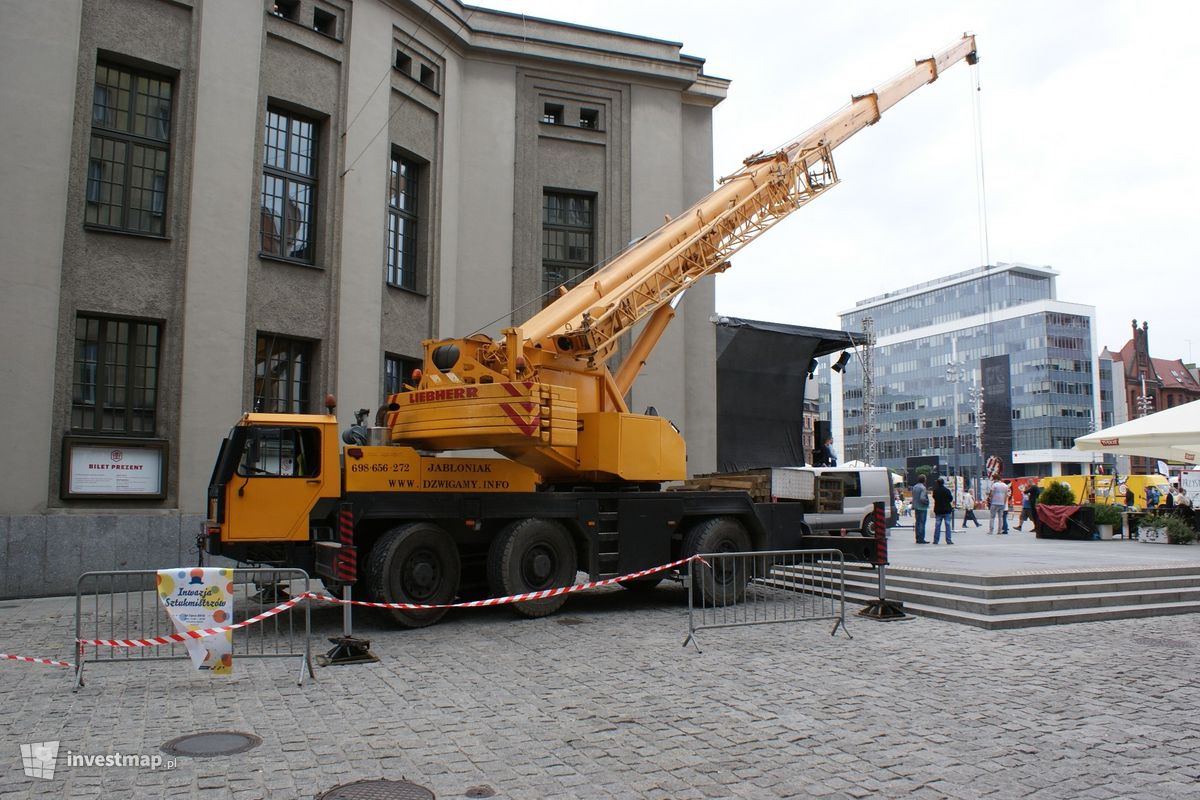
(1029, 598)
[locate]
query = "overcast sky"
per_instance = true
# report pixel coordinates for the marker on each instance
(1089, 138)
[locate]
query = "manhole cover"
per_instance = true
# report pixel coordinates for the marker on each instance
(570, 621)
(481, 791)
(378, 790)
(211, 743)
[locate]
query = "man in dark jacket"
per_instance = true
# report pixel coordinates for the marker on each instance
(943, 511)
(823, 456)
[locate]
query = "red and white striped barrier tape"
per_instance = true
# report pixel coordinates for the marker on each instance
(495, 601)
(514, 598)
(172, 638)
(49, 662)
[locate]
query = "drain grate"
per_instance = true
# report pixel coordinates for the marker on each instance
(211, 744)
(378, 790)
(480, 791)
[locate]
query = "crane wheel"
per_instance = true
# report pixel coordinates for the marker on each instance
(414, 563)
(531, 555)
(722, 582)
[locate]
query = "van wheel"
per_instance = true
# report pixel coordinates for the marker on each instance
(868, 526)
(416, 563)
(722, 583)
(532, 555)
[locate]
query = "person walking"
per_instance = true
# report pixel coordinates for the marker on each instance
(920, 504)
(968, 503)
(1026, 508)
(943, 511)
(998, 506)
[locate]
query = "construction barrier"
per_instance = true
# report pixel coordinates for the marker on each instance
(119, 616)
(119, 619)
(727, 590)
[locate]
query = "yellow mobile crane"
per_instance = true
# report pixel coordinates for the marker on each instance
(578, 484)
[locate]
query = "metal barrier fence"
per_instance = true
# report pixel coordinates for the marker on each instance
(728, 590)
(124, 604)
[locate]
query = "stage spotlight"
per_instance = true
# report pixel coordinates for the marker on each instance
(842, 361)
(812, 367)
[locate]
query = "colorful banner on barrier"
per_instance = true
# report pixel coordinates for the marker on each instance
(201, 598)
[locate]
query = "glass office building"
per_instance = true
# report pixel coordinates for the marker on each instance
(994, 339)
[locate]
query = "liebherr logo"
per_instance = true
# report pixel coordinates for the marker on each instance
(432, 395)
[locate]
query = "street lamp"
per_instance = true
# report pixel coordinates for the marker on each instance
(975, 393)
(957, 372)
(1145, 403)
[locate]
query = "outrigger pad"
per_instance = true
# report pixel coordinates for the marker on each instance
(348, 650)
(884, 610)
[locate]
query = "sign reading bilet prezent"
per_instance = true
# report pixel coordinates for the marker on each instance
(196, 599)
(115, 470)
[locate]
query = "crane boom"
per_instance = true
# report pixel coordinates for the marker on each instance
(590, 317)
(544, 396)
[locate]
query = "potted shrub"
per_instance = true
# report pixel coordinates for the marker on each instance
(1060, 494)
(1179, 530)
(1057, 494)
(1106, 517)
(1153, 530)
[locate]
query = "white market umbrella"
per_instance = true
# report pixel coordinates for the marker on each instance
(1170, 435)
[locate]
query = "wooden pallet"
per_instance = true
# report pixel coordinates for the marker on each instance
(755, 482)
(830, 492)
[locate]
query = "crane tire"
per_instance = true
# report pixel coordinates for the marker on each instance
(414, 563)
(725, 583)
(532, 555)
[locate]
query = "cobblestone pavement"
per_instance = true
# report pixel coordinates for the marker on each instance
(601, 701)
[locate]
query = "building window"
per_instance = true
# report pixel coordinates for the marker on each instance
(552, 113)
(289, 186)
(567, 236)
(403, 63)
(287, 9)
(324, 22)
(127, 157)
(589, 118)
(282, 370)
(397, 370)
(402, 224)
(114, 383)
(428, 77)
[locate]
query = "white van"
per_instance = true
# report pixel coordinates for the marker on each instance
(860, 489)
